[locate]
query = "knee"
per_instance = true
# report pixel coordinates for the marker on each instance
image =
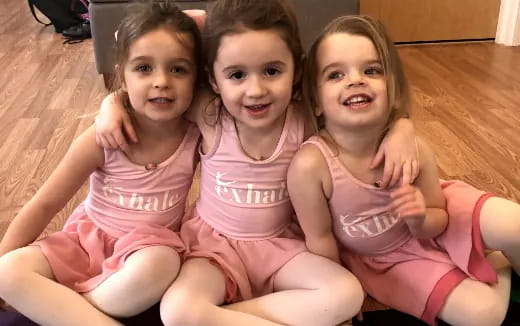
(183, 309)
(486, 313)
(163, 263)
(509, 239)
(13, 269)
(345, 296)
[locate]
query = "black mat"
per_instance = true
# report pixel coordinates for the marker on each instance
(374, 318)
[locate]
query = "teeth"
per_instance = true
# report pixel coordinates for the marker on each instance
(256, 107)
(358, 99)
(161, 100)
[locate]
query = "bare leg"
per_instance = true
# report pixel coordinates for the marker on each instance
(194, 297)
(142, 281)
(474, 303)
(500, 228)
(27, 284)
(312, 290)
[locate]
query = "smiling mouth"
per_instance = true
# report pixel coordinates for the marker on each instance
(257, 107)
(358, 101)
(161, 100)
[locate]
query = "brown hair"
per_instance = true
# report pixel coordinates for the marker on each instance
(144, 17)
(227, 17)
(397, 84)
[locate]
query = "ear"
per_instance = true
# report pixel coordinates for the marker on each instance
(213, 84)
(318, 111)
(119, 72)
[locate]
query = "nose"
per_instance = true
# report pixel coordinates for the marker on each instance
(161, 79)
(356, 79)
(255, 87)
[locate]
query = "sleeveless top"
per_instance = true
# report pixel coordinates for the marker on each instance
(124, 195)
(362, 221)
(243, 198)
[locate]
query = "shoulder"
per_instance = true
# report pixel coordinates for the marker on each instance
(85, 145)
(308, 161)
(309, 173)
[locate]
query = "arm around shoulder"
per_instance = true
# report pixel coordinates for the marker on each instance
(428, 183)
(309, 184)
(82, 158)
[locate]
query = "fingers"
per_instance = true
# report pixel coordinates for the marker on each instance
(407, 201)
(387, 174)
(129, 129)
(407, 174)
(198, 16)
(401, 197)
(120, 140)
(415, 170)
(114, 140)
(110, 142)
(378, 159)
(396, 175)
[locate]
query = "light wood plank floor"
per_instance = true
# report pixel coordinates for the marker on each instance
(466, 104)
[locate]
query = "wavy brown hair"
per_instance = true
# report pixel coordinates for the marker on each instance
(144, 17)
(228, 17)
(397, 84)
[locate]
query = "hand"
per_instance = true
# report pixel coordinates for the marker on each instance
(398, 151)
(408, 203)
(111, 122)
(198, 15)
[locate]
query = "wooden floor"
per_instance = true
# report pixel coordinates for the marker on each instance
(466, 104)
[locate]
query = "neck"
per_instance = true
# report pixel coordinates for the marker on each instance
(362, 142)
(260, 143)
(149, 130)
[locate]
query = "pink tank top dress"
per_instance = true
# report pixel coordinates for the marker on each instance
(243, 220)
(411, 275)
(128, 208)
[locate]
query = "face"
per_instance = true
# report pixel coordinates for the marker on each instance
(159, 75)
(254, 74)
(351, 82)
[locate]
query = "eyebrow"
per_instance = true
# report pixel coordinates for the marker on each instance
(334, 64)
(236, 67)
(145, 58)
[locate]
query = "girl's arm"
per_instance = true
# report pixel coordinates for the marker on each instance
(113, 124)
(422, 205)
(82, 158)
(307, 181)
(399, 152)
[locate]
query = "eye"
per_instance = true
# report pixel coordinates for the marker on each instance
(144, 68)
(374, 71)
(335, 75)
(179, 70)
(237, 75)
(270, 72)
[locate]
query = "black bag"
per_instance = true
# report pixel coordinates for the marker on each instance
(62, 13)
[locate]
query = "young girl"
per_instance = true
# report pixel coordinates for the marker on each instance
(242, 243)
(398, 242)
(118, 252)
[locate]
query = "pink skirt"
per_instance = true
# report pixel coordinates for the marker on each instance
(82, 255)
(248, 265)
(417, 277)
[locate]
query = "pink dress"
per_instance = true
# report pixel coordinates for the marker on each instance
(243, 220)
(411, 275)
(128, 208)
